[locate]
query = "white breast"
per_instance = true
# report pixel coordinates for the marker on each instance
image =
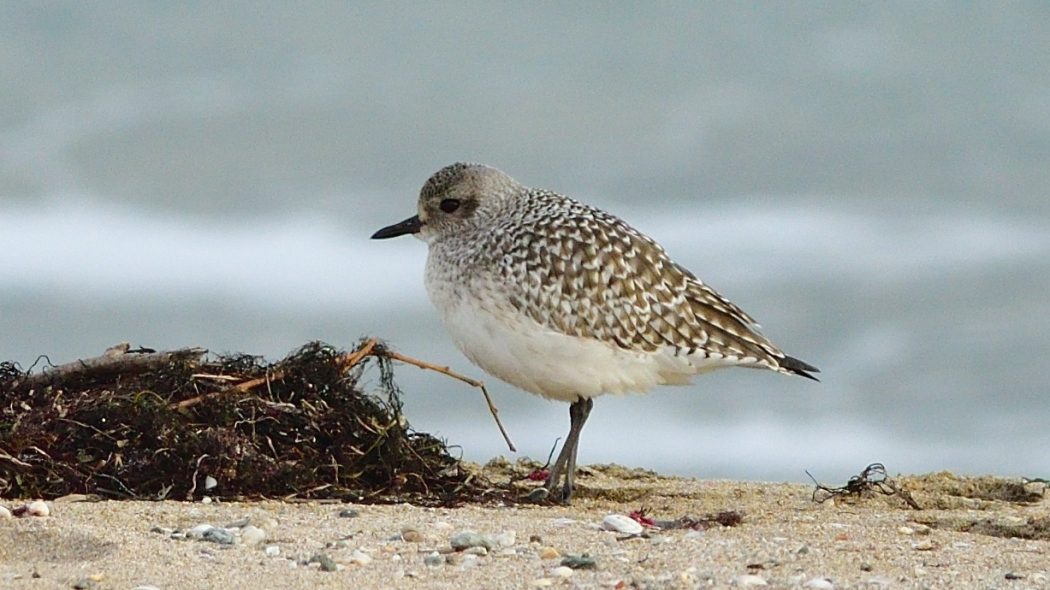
(519, 351)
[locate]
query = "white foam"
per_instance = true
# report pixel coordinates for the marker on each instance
(87, 249)
(310, 262)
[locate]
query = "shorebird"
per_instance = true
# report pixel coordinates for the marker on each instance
(568, 302)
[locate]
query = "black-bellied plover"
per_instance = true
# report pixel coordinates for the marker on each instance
(569, 302)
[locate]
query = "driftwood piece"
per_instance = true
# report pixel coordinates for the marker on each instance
(118, 359)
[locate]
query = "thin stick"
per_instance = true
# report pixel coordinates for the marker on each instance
(112, 362)
(472, 382)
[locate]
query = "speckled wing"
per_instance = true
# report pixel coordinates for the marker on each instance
(586, 273)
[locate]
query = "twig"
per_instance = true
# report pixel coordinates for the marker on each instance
(472, 382)
(113, 361)
(7, 457)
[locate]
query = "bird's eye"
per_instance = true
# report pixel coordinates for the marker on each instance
(449, 205)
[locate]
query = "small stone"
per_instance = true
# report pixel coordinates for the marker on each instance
(921, 529)
(542, 583)
(411, 534)
(747, 580)
(4, 512)
(210, 483)
(905, 530)
(536, 539)
(549, 553)
(506, 538)
(85, 584)
(477, 550)
(206, 500)
(819, 584)
(198, 531)
(802, 550)
(145, 588)
(926, 545)
(38, 508)
(325, 561)
(622, 524)
(467, 539)
(252, 535)
(433, 559)
(349, 513)
(360, 557)
(580, 562)
(272, 550)
(220, 536)
(562, 572)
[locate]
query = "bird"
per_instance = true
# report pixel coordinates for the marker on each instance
(568, 302)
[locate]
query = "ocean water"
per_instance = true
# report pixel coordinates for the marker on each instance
(869, 183)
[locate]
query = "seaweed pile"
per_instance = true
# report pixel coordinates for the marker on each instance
(147, 425)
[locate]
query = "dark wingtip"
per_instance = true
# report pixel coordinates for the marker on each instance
(803, 369)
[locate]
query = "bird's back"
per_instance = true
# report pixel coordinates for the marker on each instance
(565, 300)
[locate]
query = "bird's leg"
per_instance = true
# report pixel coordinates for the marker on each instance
(578, 413)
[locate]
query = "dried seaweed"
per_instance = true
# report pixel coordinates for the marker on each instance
(872, 480)
(300, 427)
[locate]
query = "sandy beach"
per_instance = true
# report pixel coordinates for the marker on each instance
(784, 539)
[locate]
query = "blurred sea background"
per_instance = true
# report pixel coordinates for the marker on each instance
(871, 181)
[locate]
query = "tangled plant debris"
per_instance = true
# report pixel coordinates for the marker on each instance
(153, 425)
(873, 479)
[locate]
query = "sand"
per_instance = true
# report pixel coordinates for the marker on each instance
(784, 540)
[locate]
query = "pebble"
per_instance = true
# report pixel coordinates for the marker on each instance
(819, 584)
(622, 524)
(220, 536)
(272, 550)
(506, 538)
(433, 559)
(252, 535)
(85, 584)
(198, 531)
(360, 557)
(468, 539)
(476, 550)
(325, 561)
(905, 530)
(210, 483)
(580, 562)
(542, 583)
(37, 508)
(145, 588)
(4, 512)
(562, 572)
(748, 580)
(549, 553)
(411, 534)
(349, 513)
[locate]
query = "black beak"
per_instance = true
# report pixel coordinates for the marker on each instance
(408, 226)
